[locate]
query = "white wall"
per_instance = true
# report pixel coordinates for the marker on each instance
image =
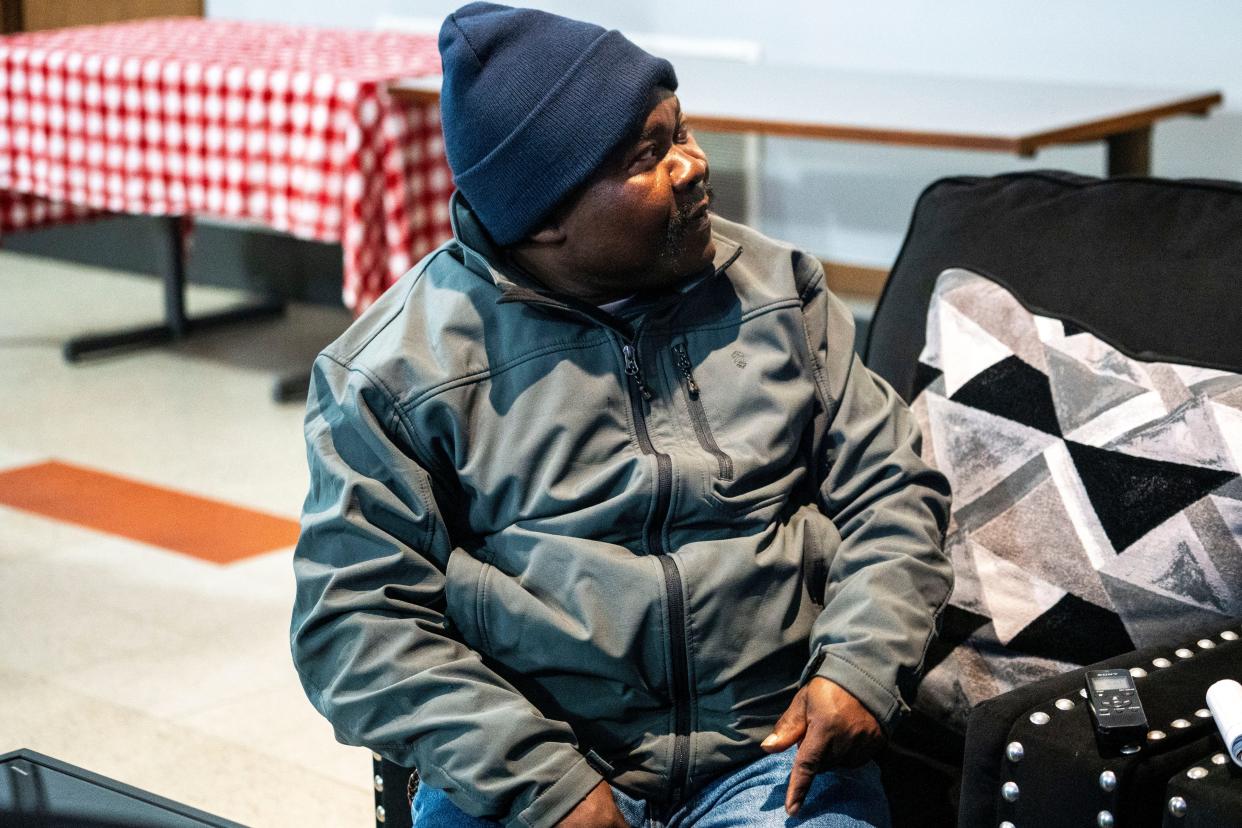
(850, 202)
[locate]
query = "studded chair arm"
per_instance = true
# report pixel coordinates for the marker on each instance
(394, 791)
(1031, 756)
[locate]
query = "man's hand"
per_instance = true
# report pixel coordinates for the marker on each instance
(831, 729)
(598, 810)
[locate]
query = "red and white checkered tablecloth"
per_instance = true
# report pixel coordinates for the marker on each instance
(292, 127)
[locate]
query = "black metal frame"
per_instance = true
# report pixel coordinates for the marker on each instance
(146, 797)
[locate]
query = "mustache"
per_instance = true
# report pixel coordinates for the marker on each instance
(681, 218)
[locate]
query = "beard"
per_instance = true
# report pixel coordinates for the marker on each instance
(672, 248)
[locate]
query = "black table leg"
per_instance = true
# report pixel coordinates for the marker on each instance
(177, 325)
(291, 387)
(1129, 153)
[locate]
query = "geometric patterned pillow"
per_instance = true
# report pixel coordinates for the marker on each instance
(1097, 502)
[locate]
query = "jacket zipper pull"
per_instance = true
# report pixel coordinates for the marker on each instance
(631, 368)
(683, 363)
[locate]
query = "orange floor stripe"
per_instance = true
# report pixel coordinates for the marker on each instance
(206, 529)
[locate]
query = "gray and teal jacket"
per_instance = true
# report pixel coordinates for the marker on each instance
(544, 545)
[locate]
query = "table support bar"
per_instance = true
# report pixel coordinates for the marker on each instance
(176, 325)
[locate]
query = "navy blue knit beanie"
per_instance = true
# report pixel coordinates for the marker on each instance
(531, 104)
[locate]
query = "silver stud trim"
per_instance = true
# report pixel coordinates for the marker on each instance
(1177, 806)
(1203, 713)
(1138, 672)
(1064, 704)
(1180, 724)
(379, 783)
(1039, 717)
(1196, 772)
(1009, 791)
(1219, 758)
(1161, 662)
(1229, 635)
(379, 813)
(1182, 652)
(1007, 824)
(1206, 643)
(1155, 735)
(1130, 749)
(1104, 819)
(1108, 781)
(1014, 752)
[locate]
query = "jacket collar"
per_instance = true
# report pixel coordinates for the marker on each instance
(482, 255)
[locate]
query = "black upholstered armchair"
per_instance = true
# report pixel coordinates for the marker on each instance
(1072, 348)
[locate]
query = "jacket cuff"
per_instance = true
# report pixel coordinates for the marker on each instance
(879, 700)
(551, 806)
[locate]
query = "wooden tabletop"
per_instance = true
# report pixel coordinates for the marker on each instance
(915, 110)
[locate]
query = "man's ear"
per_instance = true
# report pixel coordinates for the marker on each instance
(548, 234)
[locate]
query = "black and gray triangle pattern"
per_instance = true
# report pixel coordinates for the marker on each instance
(1097, 498)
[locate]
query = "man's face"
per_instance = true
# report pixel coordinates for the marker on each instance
(641, 223)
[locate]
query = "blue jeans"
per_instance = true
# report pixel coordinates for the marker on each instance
(750, 797)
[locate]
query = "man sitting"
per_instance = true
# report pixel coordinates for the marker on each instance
(607, 524)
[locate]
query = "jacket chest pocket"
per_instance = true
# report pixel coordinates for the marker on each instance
(540, 442)
(750, 399)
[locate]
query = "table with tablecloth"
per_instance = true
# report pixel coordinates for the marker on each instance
(290, 127)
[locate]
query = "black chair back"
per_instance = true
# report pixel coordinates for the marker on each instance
(1152, 266)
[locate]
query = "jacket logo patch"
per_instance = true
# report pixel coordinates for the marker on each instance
(739, 359)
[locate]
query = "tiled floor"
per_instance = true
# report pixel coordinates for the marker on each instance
(163, 669)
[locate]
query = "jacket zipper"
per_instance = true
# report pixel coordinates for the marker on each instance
(680, 689)
(702, 430)
(681, 682)
(633, 372)
(640, 392)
